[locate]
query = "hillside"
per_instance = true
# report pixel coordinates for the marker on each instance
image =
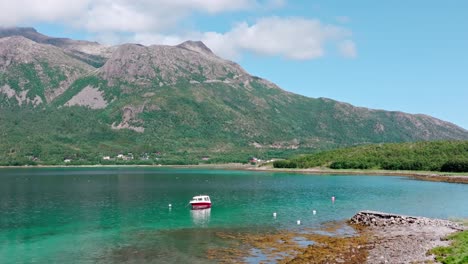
(33, 73)
(169, 104)
(451, 156)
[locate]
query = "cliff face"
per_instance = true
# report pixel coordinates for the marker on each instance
(180, 98)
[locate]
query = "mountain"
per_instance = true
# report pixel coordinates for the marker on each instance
(90, 52)
(182, 102)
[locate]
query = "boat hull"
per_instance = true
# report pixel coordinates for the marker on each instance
(196, 206)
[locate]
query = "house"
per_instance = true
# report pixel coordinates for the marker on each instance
(253, 160)
(106, 158)
(145, 156)
(33, 158)
(67, 160)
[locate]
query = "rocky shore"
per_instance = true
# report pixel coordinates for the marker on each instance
(368, 237)
(403, 239)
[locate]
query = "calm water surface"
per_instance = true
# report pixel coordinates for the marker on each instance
(108, 215)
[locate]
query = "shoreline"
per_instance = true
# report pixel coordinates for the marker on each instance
(368, 237)
(418, 175)
(394, 238)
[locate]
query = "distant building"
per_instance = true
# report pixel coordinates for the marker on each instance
(106, 158)
(67, 160)
(253, 160)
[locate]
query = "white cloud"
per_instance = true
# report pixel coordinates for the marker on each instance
(120, 15)
(149, 15)
(293, 38)
(28, 11)
(210, 6)
(347, 49)
(116, 15)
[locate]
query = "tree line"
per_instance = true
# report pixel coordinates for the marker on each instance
(445, 156)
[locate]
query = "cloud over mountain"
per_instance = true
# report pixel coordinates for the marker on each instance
(158, 22)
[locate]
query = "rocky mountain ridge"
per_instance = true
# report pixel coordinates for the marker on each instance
(89, 52)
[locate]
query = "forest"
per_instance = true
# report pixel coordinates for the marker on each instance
(444, 156)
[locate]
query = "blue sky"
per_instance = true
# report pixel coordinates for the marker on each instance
(408, 56)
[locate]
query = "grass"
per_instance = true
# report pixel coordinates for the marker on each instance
(456, 253)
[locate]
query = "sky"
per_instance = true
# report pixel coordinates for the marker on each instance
(409, 56)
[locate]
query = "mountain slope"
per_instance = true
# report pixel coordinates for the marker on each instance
(180, 100)
(33, 73)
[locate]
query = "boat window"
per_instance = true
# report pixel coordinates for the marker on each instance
(200, 199)
(206, 198)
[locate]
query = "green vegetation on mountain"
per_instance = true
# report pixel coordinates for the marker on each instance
(448, 156)
(50, 136)
(169, 104)
(28, 74)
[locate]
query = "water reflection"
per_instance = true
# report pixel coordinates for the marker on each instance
(201, 217)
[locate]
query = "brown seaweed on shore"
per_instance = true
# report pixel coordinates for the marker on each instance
(283, 247)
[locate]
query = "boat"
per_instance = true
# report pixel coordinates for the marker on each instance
(200, 202)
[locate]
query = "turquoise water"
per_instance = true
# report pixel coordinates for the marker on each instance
(108, 215)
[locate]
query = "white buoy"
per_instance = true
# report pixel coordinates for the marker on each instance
(333, 199)
(170, 205)
(298, 222)
(314, 212)
(274, 215)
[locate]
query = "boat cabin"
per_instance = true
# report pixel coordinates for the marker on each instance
(201, 198)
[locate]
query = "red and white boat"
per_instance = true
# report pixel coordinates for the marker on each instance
(200, 202)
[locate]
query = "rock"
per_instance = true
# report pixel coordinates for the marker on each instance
(372, 218)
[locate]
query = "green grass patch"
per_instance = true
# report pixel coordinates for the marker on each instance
(456, 253)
